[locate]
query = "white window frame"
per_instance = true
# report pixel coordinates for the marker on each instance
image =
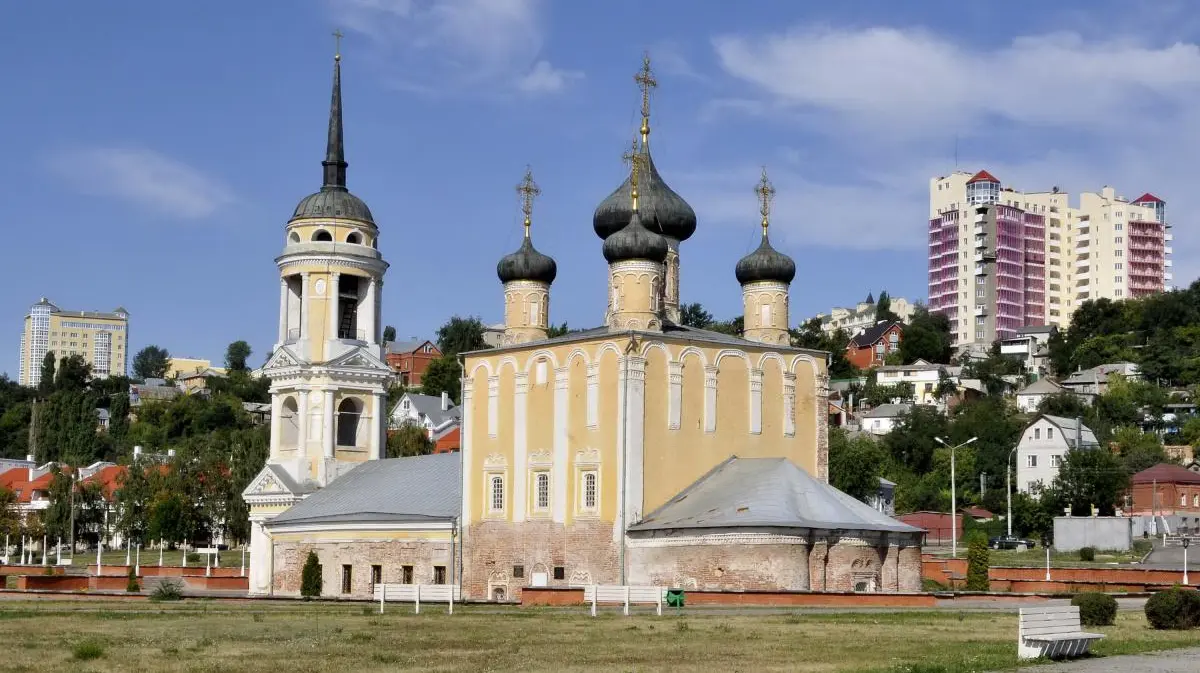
(540, 476)
(583, 506)
(1031, 460)
(489, 492)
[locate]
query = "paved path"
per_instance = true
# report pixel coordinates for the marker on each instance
(1167, 661)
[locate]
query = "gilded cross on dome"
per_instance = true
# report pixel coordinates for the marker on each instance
(337, 45)
(635, 159)
(766, 193)
(529, 191)
(645, 81)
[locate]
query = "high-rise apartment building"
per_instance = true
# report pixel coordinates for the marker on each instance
(101, 338)
(1000, 259)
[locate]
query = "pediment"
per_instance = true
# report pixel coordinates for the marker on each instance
(269, 482)
(282, 357)
(358, 357)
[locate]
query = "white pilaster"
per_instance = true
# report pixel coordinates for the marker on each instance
(327, 439)
(305, 305)
(622, 443)
(302, 424)
(331, 304)
(710, 398)
(635, 422)
(368, 312)
(520, 445)
(593, 395)
(674, 394)
(558, 479)
(283, 309)
(789, 404)
(493, 405)
(276, 423)
(260, 559)
(756, 384)
(468, 448)
(377, 337)
(374, 446)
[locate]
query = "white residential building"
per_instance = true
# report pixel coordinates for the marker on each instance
(862, 315)
(1031, 396)
(1032, 346)
(1095, 380)
(1042, 448)
(880, 420)
(924, 377)
(434, 414)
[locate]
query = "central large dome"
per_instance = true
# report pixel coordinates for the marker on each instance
(662, 211)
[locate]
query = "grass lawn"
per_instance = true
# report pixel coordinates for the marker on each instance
(217, 636)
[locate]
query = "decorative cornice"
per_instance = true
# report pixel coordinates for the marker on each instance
(710, 376)
(292, 260)
(716, 539)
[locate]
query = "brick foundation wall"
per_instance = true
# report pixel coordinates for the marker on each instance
(725, 567)
(585, 550)
(392, 555)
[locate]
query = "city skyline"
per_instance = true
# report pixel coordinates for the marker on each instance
(166, 147)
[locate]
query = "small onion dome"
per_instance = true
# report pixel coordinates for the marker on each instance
(527, 264)
(635, 241)
(765, 263)
(663, 211)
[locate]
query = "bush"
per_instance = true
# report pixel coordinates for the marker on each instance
(977, 565)
(132, 585)
(167, 590)
(1174, 609)
(86, 650)
(310, 576)
(1095, 609)
(1087, 554)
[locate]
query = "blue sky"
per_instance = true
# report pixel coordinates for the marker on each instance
(157, 149)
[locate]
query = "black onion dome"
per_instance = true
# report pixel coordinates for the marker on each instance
(333, 203)
(527, 264)
(635, 241)
(765, 263)
(662, 210)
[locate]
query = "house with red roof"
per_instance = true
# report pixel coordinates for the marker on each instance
(1165, 489)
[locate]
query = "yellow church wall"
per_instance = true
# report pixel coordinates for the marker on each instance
(672, 458)
(338, 229)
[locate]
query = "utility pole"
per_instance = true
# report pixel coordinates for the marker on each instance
(982, 484)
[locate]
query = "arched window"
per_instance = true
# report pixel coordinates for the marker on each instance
(348, 417)
(589, 490)
(354, 237)
(497, 493)
(294, 237)
(322, 236)
(290, 427)
(542, 501)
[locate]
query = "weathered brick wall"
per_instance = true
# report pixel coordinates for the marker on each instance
(585, 550)
(392, 555)
(738, 565)
(910, 565)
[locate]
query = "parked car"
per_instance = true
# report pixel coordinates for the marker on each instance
(1010, 542)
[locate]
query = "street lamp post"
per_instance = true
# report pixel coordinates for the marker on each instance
(1008, 490)
(1185, 568)
(953, 495)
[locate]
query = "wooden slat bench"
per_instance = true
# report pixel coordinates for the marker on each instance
(415, 593)
(616, 593)
(1052, 632)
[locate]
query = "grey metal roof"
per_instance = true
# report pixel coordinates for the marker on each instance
(874, 333)
(406, 346)
(419, 488)
(765, 492)
(1070, 427)
(664, 212)
(1041, 386)
(431, 407)
(888, 411)
(527, 264)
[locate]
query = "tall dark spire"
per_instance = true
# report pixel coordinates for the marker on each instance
(335, 154)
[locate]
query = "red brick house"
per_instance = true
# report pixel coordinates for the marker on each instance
(1166, 489)
(870, 347)
(410, 359)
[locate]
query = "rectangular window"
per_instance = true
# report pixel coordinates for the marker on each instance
(376, 576)
(541, 499)
(406, 574)
(560, 573)
(439, 574)
(1049, 433)
(589, 491)
(1037, 433)
(1031, 461)
(1055, 460)
(764, 315)
(347, 578)
(496, 502)
(519, 571)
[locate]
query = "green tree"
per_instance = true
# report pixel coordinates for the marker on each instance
(883, 308)
(977, 564)
(460, 335)
(926, 337)
(1139, 450)
(134, 496)
(732, 327)
(57, 517)
(10, 514)
(46, 384)
(409, 440)
(1091, 477)
(310, 577)
(389, 333)
(911, 443)
(694, 315)
(118, 419)
(443, 375)
(855, 464)
(73, 373)
(236, 355)
(557, 331)
(151, 362)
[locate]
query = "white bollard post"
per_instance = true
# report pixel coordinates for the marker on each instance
(128, 559)
(595, 590)
(98, 549)
(382, 596)
(58, 552)
(451, 610)
(184, 549)
(216, 556)
(243, 559)
(137, 564)
(417, 609)
(45, 551)
(208, 565)
(626, 600)
(1047, 563)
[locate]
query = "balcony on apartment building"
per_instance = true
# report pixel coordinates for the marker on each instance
(980, 310)
(1168, 237)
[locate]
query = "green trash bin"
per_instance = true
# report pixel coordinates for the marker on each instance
(675, 598)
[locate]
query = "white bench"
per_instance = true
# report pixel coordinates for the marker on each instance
(616, 593)
(1052, 632)
(415, 593)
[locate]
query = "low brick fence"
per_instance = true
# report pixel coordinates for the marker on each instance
(168, 571)
(952, 573)
(30, 570)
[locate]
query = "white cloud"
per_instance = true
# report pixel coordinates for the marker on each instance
(142, 177)
(439, 46)
(884, 105)
(545, 78)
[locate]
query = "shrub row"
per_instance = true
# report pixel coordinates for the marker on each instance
(1175, 608)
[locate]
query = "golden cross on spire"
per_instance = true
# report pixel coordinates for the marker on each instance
(646, 82)
(634, 158)
(766, 192)
(337, 45)
(529, 191)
